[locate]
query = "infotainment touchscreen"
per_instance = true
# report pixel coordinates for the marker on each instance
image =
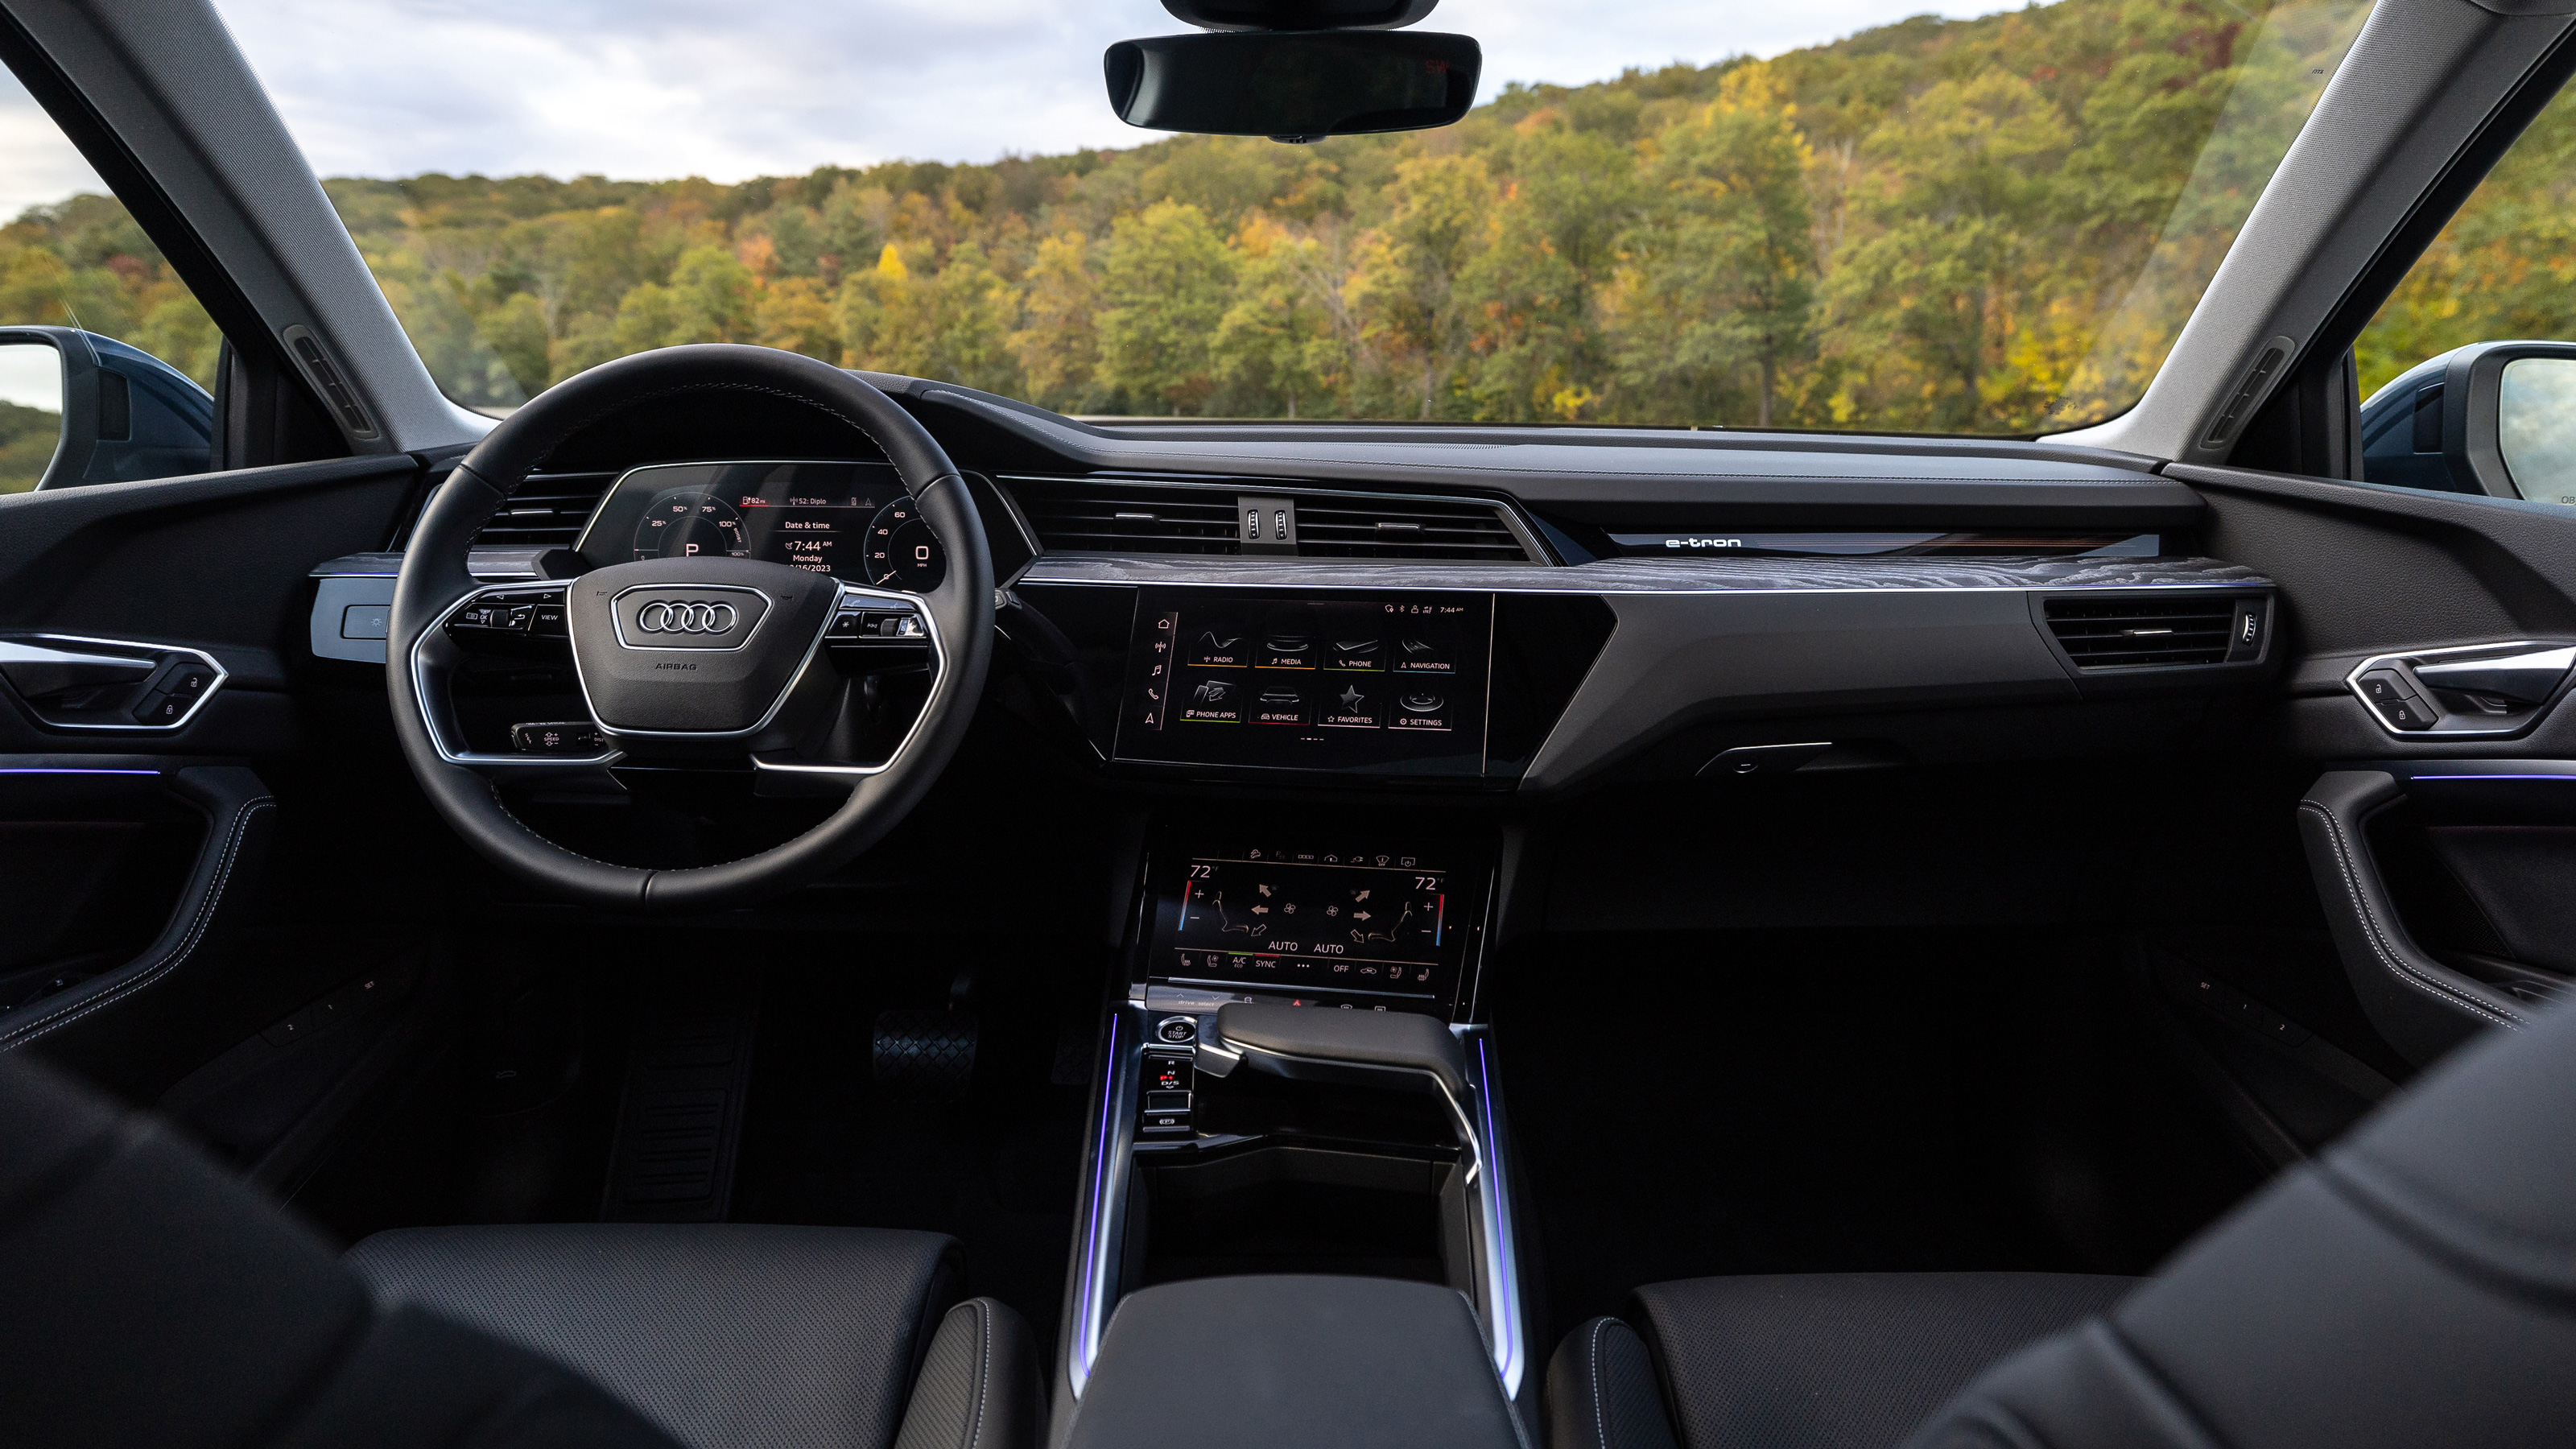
(1316, 916)
(1386, 683)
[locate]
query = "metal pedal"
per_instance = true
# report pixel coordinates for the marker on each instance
(925, 1056)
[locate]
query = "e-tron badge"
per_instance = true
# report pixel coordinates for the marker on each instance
(663, 617)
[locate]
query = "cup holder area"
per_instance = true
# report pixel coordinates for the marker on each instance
(1281, 1208)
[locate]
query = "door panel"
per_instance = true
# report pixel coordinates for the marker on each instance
(133, 857)
(2446, 862)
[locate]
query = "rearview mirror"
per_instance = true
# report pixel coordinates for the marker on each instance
(77, 408)
(1294, 86)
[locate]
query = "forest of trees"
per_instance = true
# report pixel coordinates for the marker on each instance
(1990, 226)
(1933, 225)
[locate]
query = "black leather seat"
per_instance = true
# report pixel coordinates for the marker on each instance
(2416, 1285)
(153, 1299)
(730, 1336)
(1802, 1361)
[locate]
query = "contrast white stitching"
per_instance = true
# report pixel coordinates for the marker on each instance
(19, 1036)
(983, 1377)
(1600, 1399)
(2379, 946)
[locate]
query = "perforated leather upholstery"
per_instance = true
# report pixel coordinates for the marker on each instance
(2416, 1285)
(1818, 1361)
(726, 1335)
(153, 1299)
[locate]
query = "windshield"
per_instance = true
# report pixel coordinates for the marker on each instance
(1988, 225)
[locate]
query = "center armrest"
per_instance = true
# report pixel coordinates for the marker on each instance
(1291, 1362)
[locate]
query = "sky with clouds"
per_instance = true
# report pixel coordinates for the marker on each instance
(641, 89)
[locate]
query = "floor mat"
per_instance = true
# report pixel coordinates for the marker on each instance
(828, 1142)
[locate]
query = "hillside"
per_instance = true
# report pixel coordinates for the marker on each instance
(1991, 226)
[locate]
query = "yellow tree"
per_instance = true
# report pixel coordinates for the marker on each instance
(1058, 346)
(1405, 289)
(1284, 336)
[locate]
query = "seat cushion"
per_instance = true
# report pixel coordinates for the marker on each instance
(1843, 1360)
(726, 1335)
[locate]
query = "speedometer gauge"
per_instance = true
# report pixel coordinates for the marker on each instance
(689, 523)
(902, 552)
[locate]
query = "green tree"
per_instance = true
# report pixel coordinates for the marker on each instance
(1166, 277)
(1284, 339)
(1058, 346)
(1404, 290)
(1721, 278)
(1960, 184)
(795, 313)
(516, 332)
(713, 298)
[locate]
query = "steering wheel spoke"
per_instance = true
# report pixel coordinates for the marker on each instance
(887, 649)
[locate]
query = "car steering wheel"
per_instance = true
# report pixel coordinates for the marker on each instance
(750, 687)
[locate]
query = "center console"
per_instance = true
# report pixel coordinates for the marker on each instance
(1298, 1079)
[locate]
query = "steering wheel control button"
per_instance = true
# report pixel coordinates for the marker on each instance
(546, 621)
(571, 739)
(688, 618)
(1178, 1029)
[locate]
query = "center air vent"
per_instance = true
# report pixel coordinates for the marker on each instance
(1135, 516)
(2134, 633)
(546, 512)
(1406, 528)
(1087, 515)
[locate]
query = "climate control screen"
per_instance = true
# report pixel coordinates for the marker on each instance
(1294, 920)
(1390, 682)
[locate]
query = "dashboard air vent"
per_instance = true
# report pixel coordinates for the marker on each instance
(546, 512)
(1094, 515)
(2136, 633)
(1406, 528)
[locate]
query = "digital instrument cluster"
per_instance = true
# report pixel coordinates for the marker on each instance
(1371, 683)
(850, 520)
(1315, 916)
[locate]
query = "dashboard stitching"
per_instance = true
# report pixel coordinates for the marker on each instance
(2379, 947)
(197, 928)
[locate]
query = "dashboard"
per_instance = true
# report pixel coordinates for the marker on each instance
(1477, 609)
(851, 520)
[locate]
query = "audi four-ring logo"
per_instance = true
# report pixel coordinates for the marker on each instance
(658, 617)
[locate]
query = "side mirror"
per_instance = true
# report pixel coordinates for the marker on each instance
(1294, 85)
(117, 414)
(2497, 418)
